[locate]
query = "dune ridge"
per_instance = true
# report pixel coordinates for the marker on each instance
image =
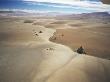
(29, 56)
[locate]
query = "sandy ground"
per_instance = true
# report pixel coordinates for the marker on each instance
(93, 37)
(27, 55)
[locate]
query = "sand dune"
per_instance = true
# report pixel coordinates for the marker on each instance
(94, 37)
(27, 55)
(83, 69)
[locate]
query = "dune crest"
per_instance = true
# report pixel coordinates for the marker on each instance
(27, 55)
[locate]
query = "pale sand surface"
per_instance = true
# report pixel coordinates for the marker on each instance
(83, 69)
(27, 57)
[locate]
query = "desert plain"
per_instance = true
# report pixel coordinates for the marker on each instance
(43, 49)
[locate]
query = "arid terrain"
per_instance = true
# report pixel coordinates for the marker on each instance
(93, 34)
(42, 49)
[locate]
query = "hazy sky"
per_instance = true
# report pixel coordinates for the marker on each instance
(66, 6)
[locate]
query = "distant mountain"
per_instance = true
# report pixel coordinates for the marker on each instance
(6, 11)
(29, 13)
(12, 13)
(96, 14)
(94, 17)
(86, 15)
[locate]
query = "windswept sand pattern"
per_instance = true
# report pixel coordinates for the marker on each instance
(34, 60)
(27, 55)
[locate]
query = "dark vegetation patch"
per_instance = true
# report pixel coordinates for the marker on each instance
(28, 21)
(58, 22)
(38, 23)
(76, 25)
